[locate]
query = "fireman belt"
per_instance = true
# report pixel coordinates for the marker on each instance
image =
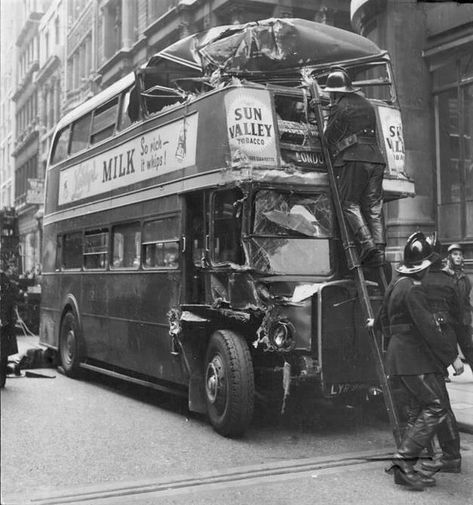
(400, 328)
(365, 137)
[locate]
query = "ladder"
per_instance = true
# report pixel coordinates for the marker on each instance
(354, 264)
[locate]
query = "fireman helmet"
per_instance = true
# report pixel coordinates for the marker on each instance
(455, 247)
(338, 81)
(418, 255)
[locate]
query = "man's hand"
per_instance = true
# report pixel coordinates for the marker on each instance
(458, 366)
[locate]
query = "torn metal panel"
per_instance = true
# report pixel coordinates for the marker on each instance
(272, 44)
(267, 46)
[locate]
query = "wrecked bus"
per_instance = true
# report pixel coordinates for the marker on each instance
(190, 243)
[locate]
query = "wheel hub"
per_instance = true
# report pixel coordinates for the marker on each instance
(68, 350)
(215, 380)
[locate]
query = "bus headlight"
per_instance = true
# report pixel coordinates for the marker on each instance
(281, 335)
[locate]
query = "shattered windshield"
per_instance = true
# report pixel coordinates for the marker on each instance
(292, 214)
(284, 224)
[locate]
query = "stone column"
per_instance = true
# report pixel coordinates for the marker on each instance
(127, 23)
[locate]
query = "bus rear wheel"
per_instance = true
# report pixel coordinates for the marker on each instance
(229, 383)
(69, 353)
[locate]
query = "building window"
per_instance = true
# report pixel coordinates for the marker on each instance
(453, 90)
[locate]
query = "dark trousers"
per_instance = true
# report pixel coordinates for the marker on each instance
(465, 341)
(8, 346)
(429, 413)
(447, 433)
(360, 185)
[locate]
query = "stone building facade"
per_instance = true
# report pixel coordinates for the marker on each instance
(26, 150)
(9, 20)
(431, 46)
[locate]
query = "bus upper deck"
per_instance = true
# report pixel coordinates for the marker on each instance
(140, 133)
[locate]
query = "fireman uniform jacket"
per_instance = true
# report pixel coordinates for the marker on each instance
(464, 287)
(417, 345)
(443, 296)
(352, 119)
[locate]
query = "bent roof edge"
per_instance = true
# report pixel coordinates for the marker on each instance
(98, 99)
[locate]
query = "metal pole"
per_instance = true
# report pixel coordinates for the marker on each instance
(354, 264)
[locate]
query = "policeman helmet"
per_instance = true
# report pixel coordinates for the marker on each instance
(338, 81)
(418, 255)
(434, 242)
(455, 247)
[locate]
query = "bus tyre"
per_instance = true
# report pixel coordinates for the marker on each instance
(69, 353)
(229, 383)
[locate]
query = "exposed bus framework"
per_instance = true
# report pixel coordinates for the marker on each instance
(189, 238)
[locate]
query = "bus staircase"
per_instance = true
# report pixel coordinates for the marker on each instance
(355, 265)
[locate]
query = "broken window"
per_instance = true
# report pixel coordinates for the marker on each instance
(291, 214)
(290, 233)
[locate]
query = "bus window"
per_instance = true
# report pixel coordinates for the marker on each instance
(161, 243)
(124, 120)
(80, 133)
(126, 246)
(72, 251)
(61, 144)
(226, 228)
(103, 123)
(96, 249)
(59, 263)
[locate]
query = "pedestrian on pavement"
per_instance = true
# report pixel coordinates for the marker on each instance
(417, 355)
(358, 164)
(444, 299)
(455, 268)
(8, 300)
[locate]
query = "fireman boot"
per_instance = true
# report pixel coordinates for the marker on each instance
(361, 232)
(449, 462)
(367, 245)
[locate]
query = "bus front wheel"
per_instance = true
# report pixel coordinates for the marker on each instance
(229, 383)
(69, 354)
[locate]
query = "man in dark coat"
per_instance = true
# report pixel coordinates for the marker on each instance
(454, 268)
(418, 353)
(358, 165)
(8, 301)
(444, 300)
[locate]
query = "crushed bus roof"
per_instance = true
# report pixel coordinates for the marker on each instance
(267, 46)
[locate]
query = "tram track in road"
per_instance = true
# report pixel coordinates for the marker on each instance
(114, 493)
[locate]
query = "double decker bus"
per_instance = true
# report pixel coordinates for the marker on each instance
(189, 241)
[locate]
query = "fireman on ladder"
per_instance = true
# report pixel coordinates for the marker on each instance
(358, 165)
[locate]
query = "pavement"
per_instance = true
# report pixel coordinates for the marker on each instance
(460, 388)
